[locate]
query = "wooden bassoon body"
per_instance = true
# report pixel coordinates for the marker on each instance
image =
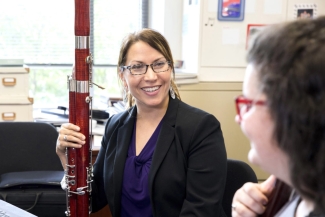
(79, 166)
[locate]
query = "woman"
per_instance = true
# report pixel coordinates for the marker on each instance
(161, 157)
(282, 112)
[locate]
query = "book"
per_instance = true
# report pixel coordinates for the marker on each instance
(7, 209)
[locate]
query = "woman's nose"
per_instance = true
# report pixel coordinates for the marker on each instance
(150, 74)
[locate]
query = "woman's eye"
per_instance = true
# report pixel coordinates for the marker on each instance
(140, 66)
(158, 64)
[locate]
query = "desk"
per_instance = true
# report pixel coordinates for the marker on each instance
(96, 144)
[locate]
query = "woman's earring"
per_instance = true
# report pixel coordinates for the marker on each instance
(125, 95)
(171, 91)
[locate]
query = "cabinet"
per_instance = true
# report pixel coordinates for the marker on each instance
(217, 98)
(15, 103)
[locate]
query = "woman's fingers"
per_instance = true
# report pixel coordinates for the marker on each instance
(253, 198)
(268, 185)
(69, 136)
(240, 210)
(70, 126)
(68, 133)
(71, 141)
(249, 201)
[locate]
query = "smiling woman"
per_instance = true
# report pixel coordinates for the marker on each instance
(159, 157)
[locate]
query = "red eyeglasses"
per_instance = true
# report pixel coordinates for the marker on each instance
(243, 104)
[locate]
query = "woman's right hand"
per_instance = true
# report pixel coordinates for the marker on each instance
(251, 199)
(69, 136)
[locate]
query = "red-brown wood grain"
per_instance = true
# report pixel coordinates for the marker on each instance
(81, 66)
(82, 19)
(79, 115)
(71, 158)
(83, 157)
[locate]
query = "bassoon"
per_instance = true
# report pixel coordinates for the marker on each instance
(79, 166)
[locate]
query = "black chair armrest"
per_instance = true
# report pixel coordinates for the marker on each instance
(12, 179)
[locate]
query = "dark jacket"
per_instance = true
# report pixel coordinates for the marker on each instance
(188, 171)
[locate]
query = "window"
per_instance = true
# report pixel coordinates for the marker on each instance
(42, 33)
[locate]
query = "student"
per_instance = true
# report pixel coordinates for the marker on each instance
(161, 157)
(282, 113)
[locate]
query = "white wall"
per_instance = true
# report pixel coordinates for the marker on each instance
(166, 17)
(206, 49)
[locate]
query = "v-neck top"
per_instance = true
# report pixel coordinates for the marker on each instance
(135, 200)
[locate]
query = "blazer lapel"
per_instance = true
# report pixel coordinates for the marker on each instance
(165, 139)
(123, 140)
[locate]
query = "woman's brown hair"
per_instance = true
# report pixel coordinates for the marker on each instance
(290, 63)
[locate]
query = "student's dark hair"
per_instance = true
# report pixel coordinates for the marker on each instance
(290, 63)
(156, 41)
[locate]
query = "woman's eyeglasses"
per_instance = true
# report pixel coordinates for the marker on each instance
(140, 69)
(243, 105)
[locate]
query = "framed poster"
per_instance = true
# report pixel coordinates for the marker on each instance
(231, 10)
(251, 30)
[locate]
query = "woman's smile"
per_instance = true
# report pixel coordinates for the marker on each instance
(151, 89)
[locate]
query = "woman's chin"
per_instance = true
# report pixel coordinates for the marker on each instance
(257, 161)
(254, 158)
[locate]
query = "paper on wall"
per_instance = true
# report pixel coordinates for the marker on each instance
(272, 6)
(230, 36)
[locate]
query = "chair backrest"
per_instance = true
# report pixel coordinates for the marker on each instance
(238, 173)
(28, 146)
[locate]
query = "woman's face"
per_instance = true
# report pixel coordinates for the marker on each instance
(258, 126)
(151, 89)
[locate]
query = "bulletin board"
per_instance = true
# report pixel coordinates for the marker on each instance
(224, 43)
(216, 50)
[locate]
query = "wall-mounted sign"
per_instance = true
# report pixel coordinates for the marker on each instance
(231, 10)
(251, 30)
(303, 11)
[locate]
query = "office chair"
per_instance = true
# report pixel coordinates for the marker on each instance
(30, 170)
(238, 173)
(28, 146)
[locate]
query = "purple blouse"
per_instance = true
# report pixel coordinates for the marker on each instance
(135, 201)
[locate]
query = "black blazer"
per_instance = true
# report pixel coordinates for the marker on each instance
(188, 171)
